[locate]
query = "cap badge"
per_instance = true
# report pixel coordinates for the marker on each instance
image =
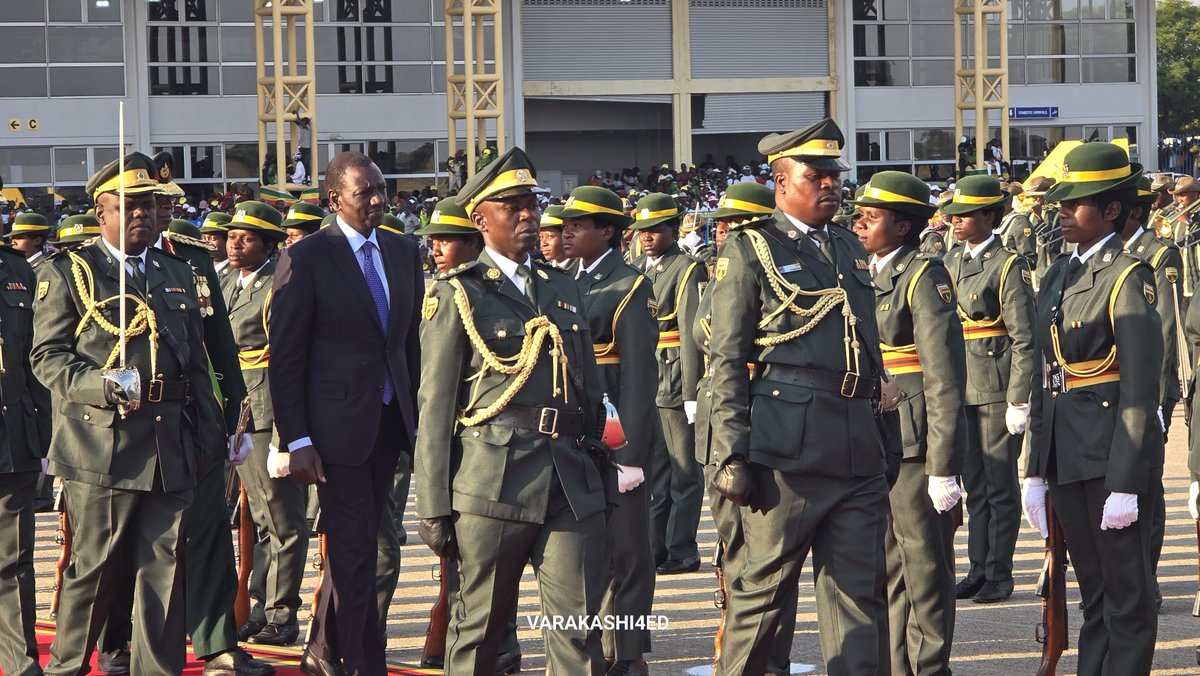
(522, 175)
(1066, 172)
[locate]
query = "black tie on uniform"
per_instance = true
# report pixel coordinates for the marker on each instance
(822, 240)
(139, 277)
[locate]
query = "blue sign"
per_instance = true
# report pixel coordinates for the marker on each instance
(1034, 113)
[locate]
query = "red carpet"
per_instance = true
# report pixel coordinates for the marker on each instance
(286, 660)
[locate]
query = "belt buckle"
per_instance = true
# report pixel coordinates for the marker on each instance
(548, 421)
(155, 393)
(849, 386)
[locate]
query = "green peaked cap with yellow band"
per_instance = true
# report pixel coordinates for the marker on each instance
(303, 215)
(139, 177)
(510, 175)
(897, 191)
(75, 229)
(329, 220)
(215, 222)
(29, 224)
(745, 200)
(180, 226)
(653, 209)
(1146, 193)
(597, 202)
(447, 218)
(818, 146)
(1094, 168)
(973, 193)
(258, 217)
(552, 217)
(392, 223)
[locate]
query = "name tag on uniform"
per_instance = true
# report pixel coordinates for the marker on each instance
(794, 267)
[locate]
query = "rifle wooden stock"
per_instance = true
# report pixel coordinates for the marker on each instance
(319, 564)
(1052, 631)
(720, 598)
(63, 537)
(246, 537)
(434, 652)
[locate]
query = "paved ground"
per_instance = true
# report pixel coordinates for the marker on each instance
(990, 640)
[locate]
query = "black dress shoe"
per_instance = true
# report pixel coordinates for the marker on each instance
(508, 663)
(670, 567)
(249, 629)
(236, 662)
(276, 634)
(994, 592)
(315, 666)
(114, 661)
(969, 587)
(628, 668)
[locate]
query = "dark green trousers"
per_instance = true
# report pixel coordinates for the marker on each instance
(209, 569)
(842, 521)
(568, 557)
(920, 580)
(18, 643)
(630, 592)
(118, 533)
(391, 526)
(993, 492)
(677, 489)
(1113, 567)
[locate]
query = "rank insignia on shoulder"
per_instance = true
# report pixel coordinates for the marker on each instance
(543, 275)
(1148, 291)
(860, 264)
(1027, 276)
(15, 286)
(945, 292)
(973, 296)
(794, 267)
(1028, 232)
(721, 269)
(43, 289)
(1172, 274)
(652, 306)
(492, 274)
(885, 307)
(1107, 257)
(1076, 324)
(429, 307)
(566, 306)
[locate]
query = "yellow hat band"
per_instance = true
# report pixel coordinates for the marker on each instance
(29, 227)
(514, 178)
(729, 203)
(446, 219)
(972, 199)
(134, 178)
(573, 203)
(646, 214)
(79, 230)
(818, 147)
(1147, 193)
(1099, 175)
(889, 196)
(301, 216)
(551, 220)
(242, 217)
(391, 229)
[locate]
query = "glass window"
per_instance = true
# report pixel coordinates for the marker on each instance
(403, 157)
(1120, 9)
(1052, 38)
(1018, 143)
(1044, 10)
(929, 73)
(406, 43)
(1109, 69)
(176, 157)
(182, 80)
(65, 11)
(25, 165)
(866, 146)
(934, 144)
(102, 155)
(1052, 71)
(70, 164)
(206, 162)
(241, 161)
(238, 80)
(1016, 71)
(87, 81)
(932, 39)
(397, 11)
(934, 172)
(439, 78)
(109, 11)
(24, 11)
(875, 10)
(22, 44)
(1016, 39)
(881, 73)
(927, 10)
(1107, 38)
(237, 11)
(899, 146)
(24, 82)
(182, 44)
(1092, 9)
(86, 44)
(1093, 134)
(881, 40)
(337, 43)
(237, 44)
(346, 79)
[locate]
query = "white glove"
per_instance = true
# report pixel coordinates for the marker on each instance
(45, 466)
(944, 492)
(239, 451)
(1120, 510)
(1016, 418)
(1194, 500)
(1161, 421)
(629, 478)
(279, 464)
(689, 408)
(1033, 503)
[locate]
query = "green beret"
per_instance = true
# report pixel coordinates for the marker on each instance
(818, 146)
(973, 193)
(509, 175)
(304, 215)
(653, 209)
(898, 191)
(750, 199)
(1094, 168)
(448, 218)
(259, 217)
(215, 221)
(138, 177)
(600, 203)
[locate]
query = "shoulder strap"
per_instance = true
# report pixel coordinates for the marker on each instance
(679, 292)
(602, 349)
(1112, 296)
(912, 283)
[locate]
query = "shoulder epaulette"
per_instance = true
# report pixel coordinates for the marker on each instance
(185, 240)
(454, 272)
(546, 265)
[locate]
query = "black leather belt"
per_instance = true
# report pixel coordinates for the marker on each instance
(844, 383)
(165, 390)
(544, 419)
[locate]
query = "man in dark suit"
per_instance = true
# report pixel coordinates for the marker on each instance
(343, 378)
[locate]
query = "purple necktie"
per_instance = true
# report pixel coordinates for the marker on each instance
(375, 285)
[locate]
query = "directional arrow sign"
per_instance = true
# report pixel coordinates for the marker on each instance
(14, 124)
(32, 125)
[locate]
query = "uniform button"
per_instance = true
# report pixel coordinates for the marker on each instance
(1054, 394)
(774, 393)
(475, 434)
(706, 342)
(574, 327)
(4, 408)
(1104, 404)
(158, 418)
(840, 276)
(708, 395)
(21, 304)
(87, 416)
(989, 353)
(182, 306)
(149, 295)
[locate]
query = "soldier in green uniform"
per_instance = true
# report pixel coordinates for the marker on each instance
(1096, 444)
(302, 220)
(932, 239)
(1015, 230)
(74, 231)
(508, 400)
(677, 493)
(26, 413)
(550, 240)
(1044, 217)
(995, 304)
(214, 231)
(277, 504)
(922, 343)
(801, 452)
(619, 304)
(128, 472)
(28, 236)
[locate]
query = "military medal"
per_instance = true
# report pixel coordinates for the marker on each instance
(543, 275)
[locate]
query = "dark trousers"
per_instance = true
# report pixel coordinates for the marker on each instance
(18, 644)
(118, 533)
(346, 625)
(677, 488)
(630, 592)
(1115, 579)
(209, 569)
(993, 492)
(391, 528)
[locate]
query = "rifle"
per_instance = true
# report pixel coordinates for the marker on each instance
(1183, 352)
(246, 532)
(1051, 632)
(720, 600)
(63, 537)
(318, 564)
(434, 652)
